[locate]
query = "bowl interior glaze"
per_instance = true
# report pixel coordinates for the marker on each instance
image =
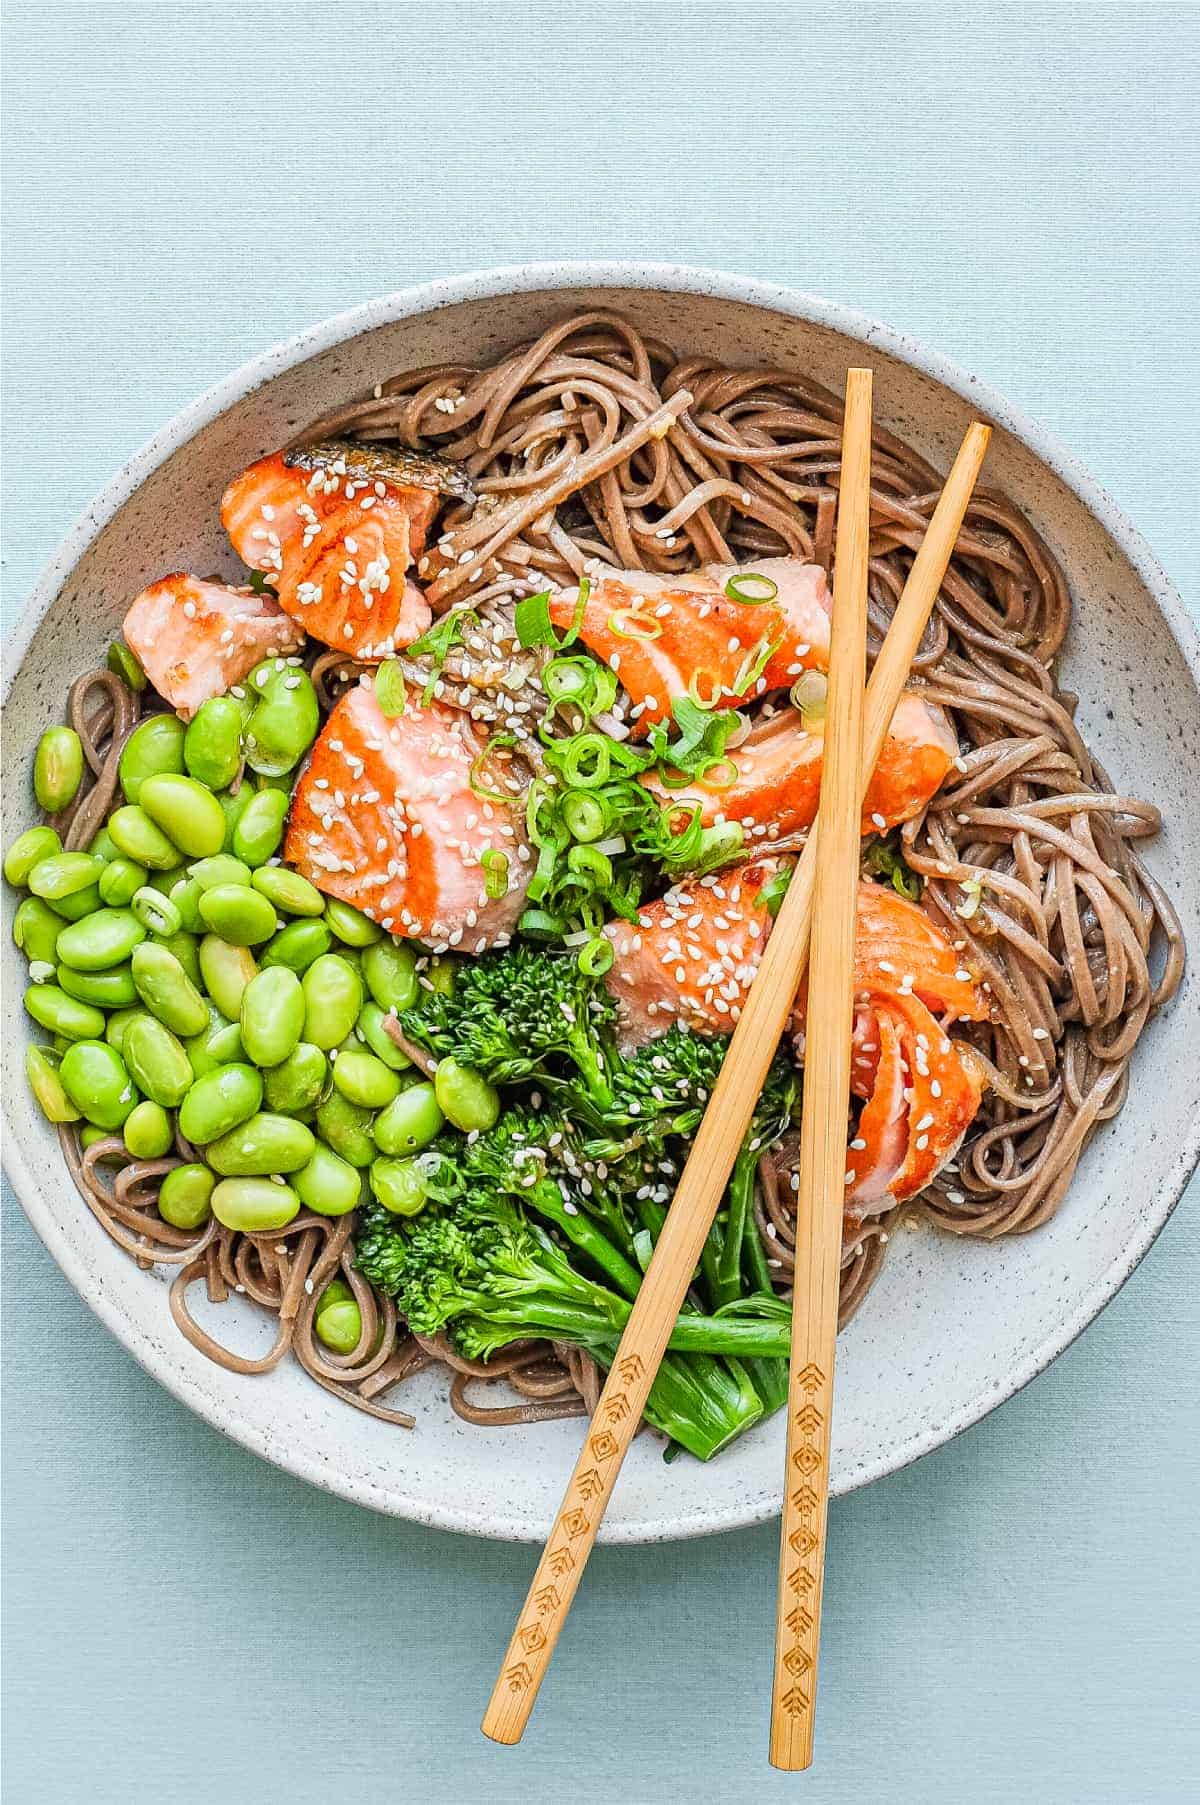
(953, 1327)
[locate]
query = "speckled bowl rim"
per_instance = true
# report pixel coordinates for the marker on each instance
(527, 278)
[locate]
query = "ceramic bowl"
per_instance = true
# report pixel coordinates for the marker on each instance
(953, 1327)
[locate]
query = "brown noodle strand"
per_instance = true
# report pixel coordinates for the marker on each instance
(593, 444)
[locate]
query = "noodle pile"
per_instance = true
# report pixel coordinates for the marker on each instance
(596, 443)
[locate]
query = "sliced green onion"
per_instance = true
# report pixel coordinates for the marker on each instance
(495, 872)
(540, 923)
(122, 663)
(596, 957)
(259, 584)
(581, 602)
(754, 664)
(475, 778)
(587, 760)
(584, 815)
(751, 587)
(809, 694)
(531, 617)
(729, 774)
(774, 890)
(972, 889)
(623, 621)
(611, 847)
(585, 861)
(695, 694)
(391, 691)
(436, 642)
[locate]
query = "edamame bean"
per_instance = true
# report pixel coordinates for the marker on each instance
(122, 663)
(238, 914)
(148, 1132)
(57, 768)
(346, 1127)
(259, 828)
(89, 1135)
(298, 1082)
(157, 1062)
(203, 1049)
(439, 975)
(339, 1326)
(185, 894)
(101, 847)
(264, 1144)
(219, 1101)
(28, 850)
(351, 925)
(112, 988)
(399, 1185)
(221, 868)
(64, 874)
(288, 891)
(188, 814)
(154, 747)
(337, 1291)
(186, 948)
(212, 744)
(233, 806)
(390, 971)
(298, 945)
(140, 839)
(78, 904)
(252, 1205)
(120, 881)
(226, 970)
(327, 1184)
(184, 1195)
(42, 1071)
(52, 1008)
(167, 991)
(285, 720)
(95, 1079)
(272, 1015)
(370, 1028)
(410, 1121)
(332, 999)
(106, 938)
(465, 1096)
(165, 881)
(156, 912)
(35, 930)
(365, 1079)
(117, 1025)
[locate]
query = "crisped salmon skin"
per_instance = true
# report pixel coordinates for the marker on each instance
(385, 818)
(668, 636)
(771, 783)
(335, 543)
(195, 639)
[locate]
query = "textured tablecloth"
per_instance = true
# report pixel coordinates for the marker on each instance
(1008, 1620)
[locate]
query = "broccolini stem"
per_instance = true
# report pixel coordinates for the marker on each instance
(726, 1286)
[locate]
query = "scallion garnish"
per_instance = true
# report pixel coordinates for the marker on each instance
(581, 602)
(436, 642)
(631, 623)
(585, 815)
(596, 957)
(752, 588)
(391, 692)
(531, 617)
(475, 778)
(808, 694)
(495, 872)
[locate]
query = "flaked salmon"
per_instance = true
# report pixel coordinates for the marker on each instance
(385, 816)
(672, 636)
(771, 783)
(195, 639)
(334, 538)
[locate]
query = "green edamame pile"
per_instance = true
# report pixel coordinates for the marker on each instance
(207, 1007)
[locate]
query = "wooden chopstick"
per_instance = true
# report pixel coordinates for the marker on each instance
(828, 1025)
(702, 1185)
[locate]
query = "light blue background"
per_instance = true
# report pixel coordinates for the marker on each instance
(1013, 1618)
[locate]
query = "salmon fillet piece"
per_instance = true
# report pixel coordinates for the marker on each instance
(777, 787)
(664, 634)
(385, 818)
(195, 639)
(335, 543)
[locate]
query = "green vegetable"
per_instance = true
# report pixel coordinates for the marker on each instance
(253, 1205)
(52, 1008)
(186, 811)
(219, 1101)
(141, 839)
(409, 1122)
(122, 663)
(120, 881)
(466, 1099)
(285, 719)
(64, 874)
(226, 971)
(112, 988)
(57, 768)
(156, 912)
(364, 1079)
(157, 1061)
(259, 826)
(186, 948)
(298, 1082)
(155, 746)
(327, 1184)
(42, 1072)
(370, 1029)
(288, 891)
(148, 1132)
(391, 691)
(346, 1127)
(332, 1000)
(399, 1185)
(28, 850)
(885, 858)
(106, 938)
(351, 925)
(167, 991)
(531, 617)
(237, 914)
(298, 945)
(436, 643)
(212, 744)
(94, 1077)
(390, 972)
(264, 1143)
(339, 1325)
(272, 1015)
(221, 869)
(184, 1196)
(35, 931)
(118, 1025)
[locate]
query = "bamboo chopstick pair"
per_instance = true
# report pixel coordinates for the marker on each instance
(820, 897)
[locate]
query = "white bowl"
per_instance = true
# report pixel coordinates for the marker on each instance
(953, 1327)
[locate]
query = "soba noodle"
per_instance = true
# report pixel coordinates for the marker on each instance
(597, 443)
